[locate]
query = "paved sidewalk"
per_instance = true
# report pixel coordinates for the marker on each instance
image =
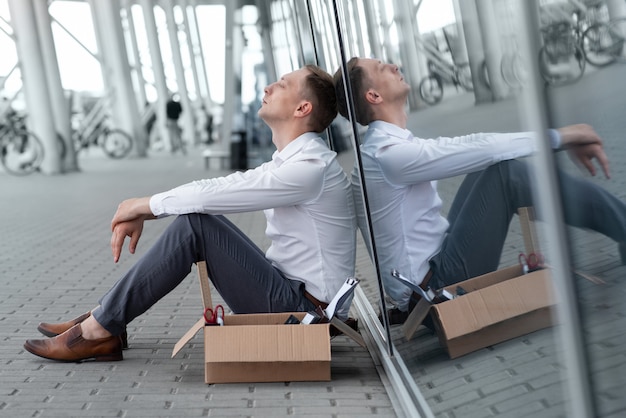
(55, 262)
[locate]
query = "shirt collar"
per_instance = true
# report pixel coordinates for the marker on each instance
(391, 129)
(293, 147)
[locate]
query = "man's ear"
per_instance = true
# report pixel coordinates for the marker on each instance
(304, 108)
(373, 97)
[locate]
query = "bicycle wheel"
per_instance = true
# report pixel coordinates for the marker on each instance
(513, 71)
(431, 89)
(117, 143)
(617, 30)
(598, 43)
(484, 74)
(464, 75)
(61, 146)
(562, 70)
(22, 153)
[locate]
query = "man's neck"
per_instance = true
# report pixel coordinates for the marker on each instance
(283, 137)
(393, 114)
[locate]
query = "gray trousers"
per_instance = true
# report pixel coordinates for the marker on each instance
(238, 269)
(485, 204)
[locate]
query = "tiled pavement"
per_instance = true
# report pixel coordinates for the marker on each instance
(55, 262)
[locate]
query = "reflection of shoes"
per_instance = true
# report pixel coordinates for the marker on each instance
(351, 322)
(396, 316)
(52, 330)
(71, 346)
(622, 252)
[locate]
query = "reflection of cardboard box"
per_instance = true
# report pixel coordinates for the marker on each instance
(261, 347)
(498, 306)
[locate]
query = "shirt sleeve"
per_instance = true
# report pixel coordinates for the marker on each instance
(264, 187)
(419, 160)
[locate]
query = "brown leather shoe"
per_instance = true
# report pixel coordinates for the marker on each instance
(52, 330)
(71, 346)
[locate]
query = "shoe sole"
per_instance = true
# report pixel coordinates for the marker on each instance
(106, 357)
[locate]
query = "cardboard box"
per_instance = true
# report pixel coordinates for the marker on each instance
(261, 347)
(498, 306)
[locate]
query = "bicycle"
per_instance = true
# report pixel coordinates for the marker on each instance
(431, 86)
(561, 58)
(114, 142)
(613, 37)
(602, 39)
(21, 152)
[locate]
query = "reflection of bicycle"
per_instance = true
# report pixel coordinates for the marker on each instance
(114, 142)
(431, 86)
(21, 151)
(561, 58)
(608, 40)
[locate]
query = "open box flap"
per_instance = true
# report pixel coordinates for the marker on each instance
(188, 336)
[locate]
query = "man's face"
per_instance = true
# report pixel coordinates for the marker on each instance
(283, 97)
(385, 79)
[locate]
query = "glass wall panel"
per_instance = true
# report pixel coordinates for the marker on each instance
(503, 66)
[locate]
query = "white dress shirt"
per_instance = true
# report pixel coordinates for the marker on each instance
(400, 175)
(305, 195)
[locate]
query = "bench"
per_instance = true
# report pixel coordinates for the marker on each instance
(223, 157)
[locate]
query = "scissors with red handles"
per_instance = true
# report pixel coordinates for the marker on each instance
(214, 316)
(530, 262)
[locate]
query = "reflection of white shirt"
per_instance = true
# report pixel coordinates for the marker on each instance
(400, 176)
(305, 196)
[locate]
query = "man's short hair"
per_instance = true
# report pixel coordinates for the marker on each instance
(320, 91)
(359, 83)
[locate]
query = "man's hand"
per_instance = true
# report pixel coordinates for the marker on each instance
(122, 230)
(579, 134)
(131, 209)
(583, 156)
(584, 145)
(128, 222)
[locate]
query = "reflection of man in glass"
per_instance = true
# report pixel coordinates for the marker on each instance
(305, 195)
(401, 171)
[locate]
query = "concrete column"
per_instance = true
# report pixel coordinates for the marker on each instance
(408, 48)
(229, 78)
(372, 29)
(467, 14)
(192, 53)
(348, 33)
(617, 8)
(493, 50)
(147, 7)
(36, 92)
(140, 82)
(120, 94)
(357, 28)
(188, 113)
(391, 54)
(199, 54)
(462, 44)
(59, 103)
(265, 21)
